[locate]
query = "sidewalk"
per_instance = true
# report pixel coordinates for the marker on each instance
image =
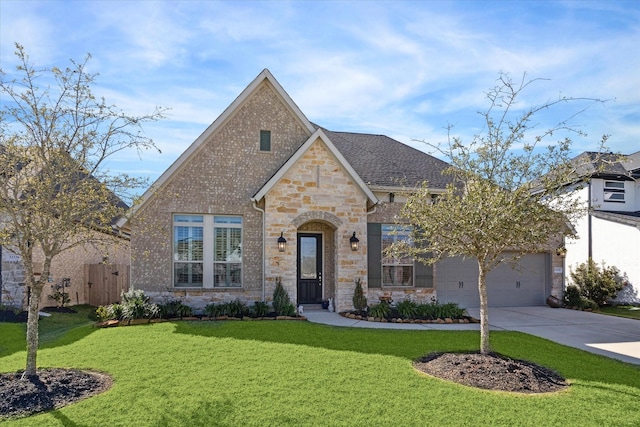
(610, 336)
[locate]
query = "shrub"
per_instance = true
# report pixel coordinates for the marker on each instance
(407, 309)
(428, 311)
(359, 300)
(175, 308)
(281, 303)
(381, 310)
(236, 308)
(597, 284)
(572, 297)
(115, 311)
(103, 313)
(212, 310)
(136, 305)
(259, 309)
(451, 310)
(59, 295)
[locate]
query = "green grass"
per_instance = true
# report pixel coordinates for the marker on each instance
(279, 373)
(628, 311)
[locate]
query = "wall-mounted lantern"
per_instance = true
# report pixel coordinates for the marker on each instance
(561, 251)
(354, 242)
(282, 243)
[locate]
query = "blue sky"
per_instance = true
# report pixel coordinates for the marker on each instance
(403, 69)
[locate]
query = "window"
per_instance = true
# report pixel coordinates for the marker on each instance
(265, 140)
(227, 251)
(188, 239)
(207, 251)
(614, 191)
(396, 271)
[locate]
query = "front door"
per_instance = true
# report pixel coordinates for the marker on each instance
(309, 268)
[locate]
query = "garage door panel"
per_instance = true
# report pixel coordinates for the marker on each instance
(526, 284)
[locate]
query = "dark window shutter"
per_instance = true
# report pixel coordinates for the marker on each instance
(265, 140)
(424, 274)
(374, 254)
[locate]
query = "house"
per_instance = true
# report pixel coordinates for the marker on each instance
(610, 232)
(265, 194)
(103, 246)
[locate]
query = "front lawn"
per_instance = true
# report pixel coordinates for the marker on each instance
(292, 373)
(627, 311)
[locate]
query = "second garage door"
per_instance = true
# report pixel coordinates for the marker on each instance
(457, 281)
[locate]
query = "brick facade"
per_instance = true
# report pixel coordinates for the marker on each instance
(219, 179)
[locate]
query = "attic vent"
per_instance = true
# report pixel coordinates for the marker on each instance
(265, 140)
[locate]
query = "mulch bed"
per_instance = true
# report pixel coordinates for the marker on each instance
(49, 389)
(10, 315)
(491, 372)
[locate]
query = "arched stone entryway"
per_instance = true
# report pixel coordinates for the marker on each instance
(316, 273)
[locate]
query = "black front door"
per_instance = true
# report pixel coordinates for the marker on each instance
(309, 268)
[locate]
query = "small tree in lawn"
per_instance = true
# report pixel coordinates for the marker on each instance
(55, 192)
(508, 193)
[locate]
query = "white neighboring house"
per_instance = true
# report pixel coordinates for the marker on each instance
(611, 231)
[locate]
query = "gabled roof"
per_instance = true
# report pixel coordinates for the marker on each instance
(264, 76)
(384, 162)
(632, 164)
(318, 134)
(607, 165)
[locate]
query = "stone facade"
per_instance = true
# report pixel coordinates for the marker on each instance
(317, 190)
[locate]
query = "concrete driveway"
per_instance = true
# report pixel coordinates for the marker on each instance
(610, 336)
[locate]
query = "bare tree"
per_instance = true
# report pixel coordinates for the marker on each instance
(55, 191)
(511, 191)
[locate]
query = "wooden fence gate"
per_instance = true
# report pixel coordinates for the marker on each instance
(105, 282)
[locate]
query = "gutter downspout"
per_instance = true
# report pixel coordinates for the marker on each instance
(589, 237)
(264, 260)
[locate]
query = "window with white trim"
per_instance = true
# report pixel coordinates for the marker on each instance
(614, 191)
(207, 251)
(227, 251)
(188, 239)
(396, 271)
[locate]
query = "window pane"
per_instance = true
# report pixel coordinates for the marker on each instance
(187, 243)
(228, 220)
(396, 271)
(614, 184)
(187, 218)
(397, 275)
(308, 258)
(187, 275)
(227, 249)
(227, 275)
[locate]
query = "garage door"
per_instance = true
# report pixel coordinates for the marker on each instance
(457, 281)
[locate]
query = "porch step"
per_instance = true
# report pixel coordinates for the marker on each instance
(312, 307)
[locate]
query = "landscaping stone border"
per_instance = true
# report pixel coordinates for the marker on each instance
(447, 320)
(114, 323)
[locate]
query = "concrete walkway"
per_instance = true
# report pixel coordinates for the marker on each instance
(610, 336)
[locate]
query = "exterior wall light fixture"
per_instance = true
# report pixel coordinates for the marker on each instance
(282, 243)
(561, 251)
(354, 242)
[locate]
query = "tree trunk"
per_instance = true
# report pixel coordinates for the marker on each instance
(484, 311)
(32, 329)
